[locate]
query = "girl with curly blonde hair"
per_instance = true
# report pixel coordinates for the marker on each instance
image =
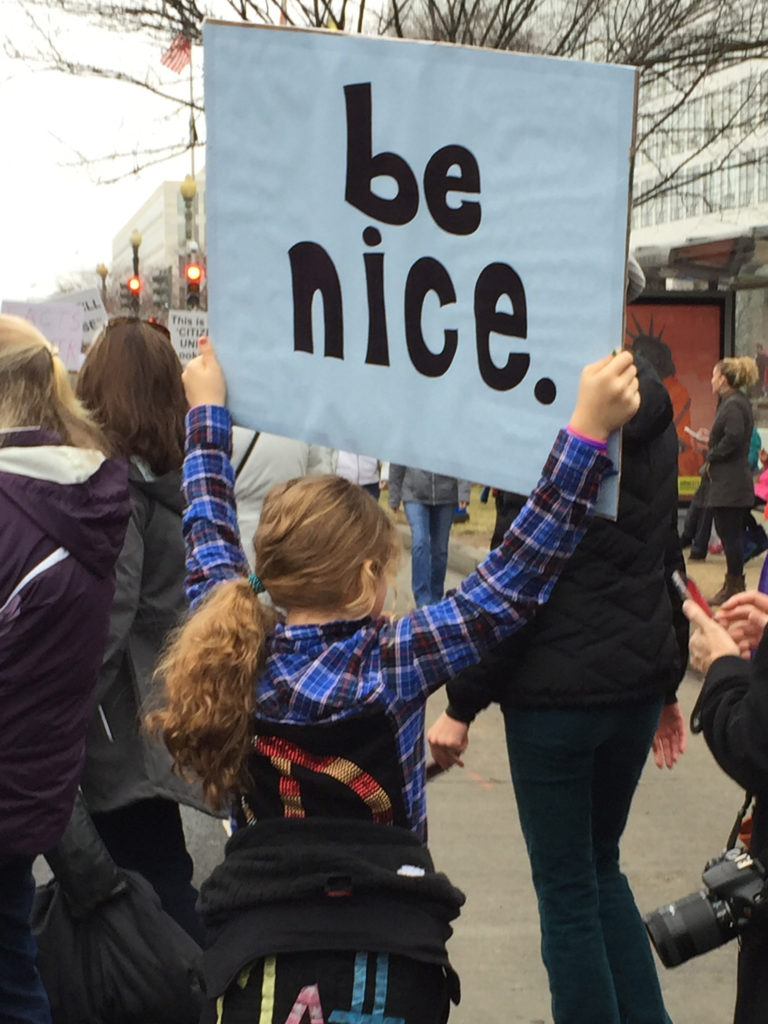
(312, 719)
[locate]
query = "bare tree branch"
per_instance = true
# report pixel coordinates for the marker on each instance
(676, 45)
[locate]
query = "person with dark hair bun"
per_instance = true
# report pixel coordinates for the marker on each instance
(131, 383)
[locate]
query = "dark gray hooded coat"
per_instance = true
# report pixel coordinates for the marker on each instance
(123, 764)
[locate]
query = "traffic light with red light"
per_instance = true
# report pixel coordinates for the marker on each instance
(193, 273)
(130, 293)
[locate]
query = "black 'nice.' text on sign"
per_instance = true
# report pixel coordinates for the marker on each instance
(451, 169)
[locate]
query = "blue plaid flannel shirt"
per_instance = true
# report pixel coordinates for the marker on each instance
(329, 671)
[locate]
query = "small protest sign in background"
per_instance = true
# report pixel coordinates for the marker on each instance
(94, 314)
(60, 322)
(413, 248)
(186, 326)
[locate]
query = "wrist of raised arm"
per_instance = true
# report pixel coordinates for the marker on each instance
(209, 426)
(576, 466)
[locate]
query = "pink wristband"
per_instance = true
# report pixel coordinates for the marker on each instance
(593, 442)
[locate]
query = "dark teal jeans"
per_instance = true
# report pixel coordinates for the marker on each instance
(574, 773)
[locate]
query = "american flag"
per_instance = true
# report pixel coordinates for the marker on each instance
(178, 55)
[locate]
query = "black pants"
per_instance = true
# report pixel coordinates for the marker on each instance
(752, 988)
(148, 837)
(22, 996)
(697, 526)
(729, 523)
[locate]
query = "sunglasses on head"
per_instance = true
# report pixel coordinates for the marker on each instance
(117, 321)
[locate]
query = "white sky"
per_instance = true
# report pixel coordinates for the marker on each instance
(56, 220)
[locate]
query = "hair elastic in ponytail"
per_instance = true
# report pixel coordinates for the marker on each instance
(255, 583)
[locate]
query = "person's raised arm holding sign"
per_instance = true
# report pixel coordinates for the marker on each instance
(299, 558)
(253, 696)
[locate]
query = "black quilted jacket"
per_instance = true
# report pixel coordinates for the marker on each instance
(613, 631)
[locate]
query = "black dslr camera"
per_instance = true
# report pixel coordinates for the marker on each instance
(735, 892)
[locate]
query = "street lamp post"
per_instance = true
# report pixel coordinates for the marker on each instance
(188, 190)
(135, 242)
(102, 271)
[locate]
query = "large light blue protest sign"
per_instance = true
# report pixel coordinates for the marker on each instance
(413, 248)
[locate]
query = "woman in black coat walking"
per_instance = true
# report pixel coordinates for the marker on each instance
(731, 490)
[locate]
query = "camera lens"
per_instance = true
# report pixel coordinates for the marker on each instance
(689, 927)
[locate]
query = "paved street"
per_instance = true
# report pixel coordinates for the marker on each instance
(680, 819)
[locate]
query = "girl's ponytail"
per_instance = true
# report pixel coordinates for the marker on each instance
(209, 673)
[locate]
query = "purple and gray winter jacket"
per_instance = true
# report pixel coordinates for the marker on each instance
(52, 634)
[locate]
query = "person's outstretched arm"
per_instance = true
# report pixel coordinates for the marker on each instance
(210, 525)
(433, 643)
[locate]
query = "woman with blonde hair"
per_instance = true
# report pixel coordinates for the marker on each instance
(312, 721)
(730, 484)
(63, 509)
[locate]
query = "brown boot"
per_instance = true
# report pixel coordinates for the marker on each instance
(731, 585)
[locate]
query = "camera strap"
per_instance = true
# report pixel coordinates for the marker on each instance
(743, 810)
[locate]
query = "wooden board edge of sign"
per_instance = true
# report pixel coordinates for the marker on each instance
(341, 33)
(632, 154)
(631, 176)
